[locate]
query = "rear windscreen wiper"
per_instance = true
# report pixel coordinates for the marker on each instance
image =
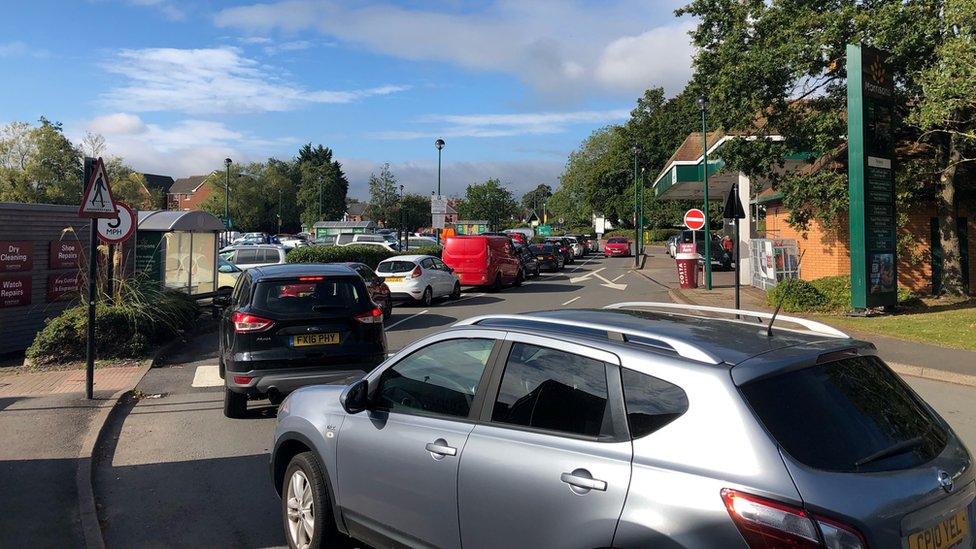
(894, 449)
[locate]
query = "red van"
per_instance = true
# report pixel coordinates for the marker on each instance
(482, 260)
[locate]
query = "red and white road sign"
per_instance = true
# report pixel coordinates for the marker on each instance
(97, 200)
(694, 219)
(118, 230)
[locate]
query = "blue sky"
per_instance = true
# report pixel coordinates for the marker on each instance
(511, 85)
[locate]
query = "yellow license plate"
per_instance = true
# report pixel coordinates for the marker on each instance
(945, 534)
(314, 339)
(540, 257)
(393, 279)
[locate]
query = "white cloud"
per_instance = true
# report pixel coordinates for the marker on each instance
(556, 46)
(165, 7)
(503, 125)
(186, 147)
(211, 80)
(21, 49)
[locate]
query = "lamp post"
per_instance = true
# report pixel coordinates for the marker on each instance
(227, 222)
(320, 196)
(637, 229)
(401, 232)
(279, 210)
(703, 107)
(440, 146)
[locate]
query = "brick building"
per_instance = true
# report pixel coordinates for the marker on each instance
(826, 252)
(188, 193)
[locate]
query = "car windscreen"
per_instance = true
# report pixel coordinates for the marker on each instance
(541, 248)
(396, 267)
(849, 415)
(617, 241)
(305, 296)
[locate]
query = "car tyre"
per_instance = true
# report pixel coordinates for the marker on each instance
(456, 292)
(388, 310)
(235, 404)
(305, 508)
(427, 298)
(519, 278)
(497, 285)
(538, 272)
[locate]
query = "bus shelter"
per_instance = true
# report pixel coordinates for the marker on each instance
(178, 250)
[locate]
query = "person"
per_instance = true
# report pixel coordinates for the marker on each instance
(727, 243)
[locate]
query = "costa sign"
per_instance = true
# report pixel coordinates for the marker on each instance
(695, 219)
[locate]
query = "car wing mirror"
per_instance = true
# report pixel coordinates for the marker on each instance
(222, 299)
(355, 397)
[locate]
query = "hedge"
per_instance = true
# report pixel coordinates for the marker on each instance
(126, 327)
(827, 294)
(370, 255)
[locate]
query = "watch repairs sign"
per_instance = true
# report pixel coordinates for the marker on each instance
(15, 291)
(871, 145)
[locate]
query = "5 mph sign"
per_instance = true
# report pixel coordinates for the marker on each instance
(118, 230)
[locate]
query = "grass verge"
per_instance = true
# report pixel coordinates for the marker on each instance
(954, 327)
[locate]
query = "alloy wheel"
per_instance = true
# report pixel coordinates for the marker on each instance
(301, 510)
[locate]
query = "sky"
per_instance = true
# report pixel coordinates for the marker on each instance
(175, 87)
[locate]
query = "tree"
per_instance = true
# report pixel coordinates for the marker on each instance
(416, 212)
(54, 165)
(322, 185)
(253, 200)
(93, 144)
(489, 201)
(16, 145)
(384, 197)
(534, 199)
(128, 185)
(778, 68)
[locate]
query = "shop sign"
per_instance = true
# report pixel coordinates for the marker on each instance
(16, 256)
(870, 126)
(15, 291)
(63, 286)
(65, 254)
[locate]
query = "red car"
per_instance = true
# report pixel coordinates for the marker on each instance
(483, 260)
(377, 289)
(617, 246)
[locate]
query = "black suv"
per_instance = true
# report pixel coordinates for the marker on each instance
(286, 326)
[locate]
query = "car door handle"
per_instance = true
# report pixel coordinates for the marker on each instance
(583, 482)
(441, 448)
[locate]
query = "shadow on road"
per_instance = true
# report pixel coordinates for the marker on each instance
(544, 288)
(424, 321)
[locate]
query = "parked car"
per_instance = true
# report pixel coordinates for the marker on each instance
(564, 247)
(419, 278)
(527, 234)
(377, 288)
(576, 246)
(721, 257)
(548, 256)
(617, 246)
(285, 326)
(247, 256)
(530, 265)
(590, 243)
(623, 428)
(383, 245)
(227, 274)
(481, 260)
(420, 242)
(291, 241)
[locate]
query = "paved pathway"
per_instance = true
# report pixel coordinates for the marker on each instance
(28, 384)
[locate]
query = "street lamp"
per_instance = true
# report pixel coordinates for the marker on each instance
(227, 222)
(401, 232)
(637, 227)
(703, 107)
(440, 146)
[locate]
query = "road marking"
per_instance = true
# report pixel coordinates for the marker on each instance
(467, 297)
(619, 277)
(207, 376)
(606, 283)
(586, 276)
(398, 322)
(583, 263)
(572, 300)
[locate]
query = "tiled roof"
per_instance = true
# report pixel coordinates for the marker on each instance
(187, 185)
(154, 181)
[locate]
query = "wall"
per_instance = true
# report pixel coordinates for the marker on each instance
(827, 252)
(189, 201)
(41, 225)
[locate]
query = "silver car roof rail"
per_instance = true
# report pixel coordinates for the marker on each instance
(812, 326)
(680, 347)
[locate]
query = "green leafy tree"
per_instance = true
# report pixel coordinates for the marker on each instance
(416, 212)
(489, 201)
(54, 165)
(322, 185)
(252, 202)
(128, 185)
(384, 197)
(534, 199)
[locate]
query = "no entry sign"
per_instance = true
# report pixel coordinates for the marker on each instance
(694, 219)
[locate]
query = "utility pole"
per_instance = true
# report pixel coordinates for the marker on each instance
(320, 197)
(637, 151)
(703, 106)
(440, 146)
(279, 210)
(227, 221)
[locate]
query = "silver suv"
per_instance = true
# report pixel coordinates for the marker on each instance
(639, 425)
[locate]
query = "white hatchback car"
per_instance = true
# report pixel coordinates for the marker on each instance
(419, 278)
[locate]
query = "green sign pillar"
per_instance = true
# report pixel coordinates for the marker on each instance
(871, 177)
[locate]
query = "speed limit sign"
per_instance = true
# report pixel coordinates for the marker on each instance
(120, 229)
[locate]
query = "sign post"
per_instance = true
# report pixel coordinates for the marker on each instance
(871, 144)
(96, 202)
(733, 210)
(695, 219)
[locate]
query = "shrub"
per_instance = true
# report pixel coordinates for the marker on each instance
(660, 235)
(629, 234)
(127, 325)
(827, 294)
(370, 255)
(797, 296)
(435, 251)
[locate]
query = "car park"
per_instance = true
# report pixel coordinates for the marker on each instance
(616, 246)
(548, 256)
(641, 425)
(377, 288)
(530, 265)
(483, 260)
(247, 256)
(286, 326)
(382, 245)
(564, 247)
(227, 274)
(419, 278)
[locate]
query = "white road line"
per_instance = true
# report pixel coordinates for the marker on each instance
(619, 277)
(398, 322)
(466, 297)
(572, 300)
(207, 376)
(583, 263)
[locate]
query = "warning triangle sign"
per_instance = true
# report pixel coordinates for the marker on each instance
(733, 207)
(97, 200)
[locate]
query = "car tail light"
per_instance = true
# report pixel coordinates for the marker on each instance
(840, 536)
(766, 523)
(242, 380)
(244, 322)
(311, 278)
(373, 316)
(416, 272)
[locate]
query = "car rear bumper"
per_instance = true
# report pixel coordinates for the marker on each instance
(473, 279)
(407, 296)
(262, 382)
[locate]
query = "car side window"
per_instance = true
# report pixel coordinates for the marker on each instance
(651, 403)
(243, 291)
(438, 264)
(554, 390)
(438, 379)
(427, 263)
(247, 257)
